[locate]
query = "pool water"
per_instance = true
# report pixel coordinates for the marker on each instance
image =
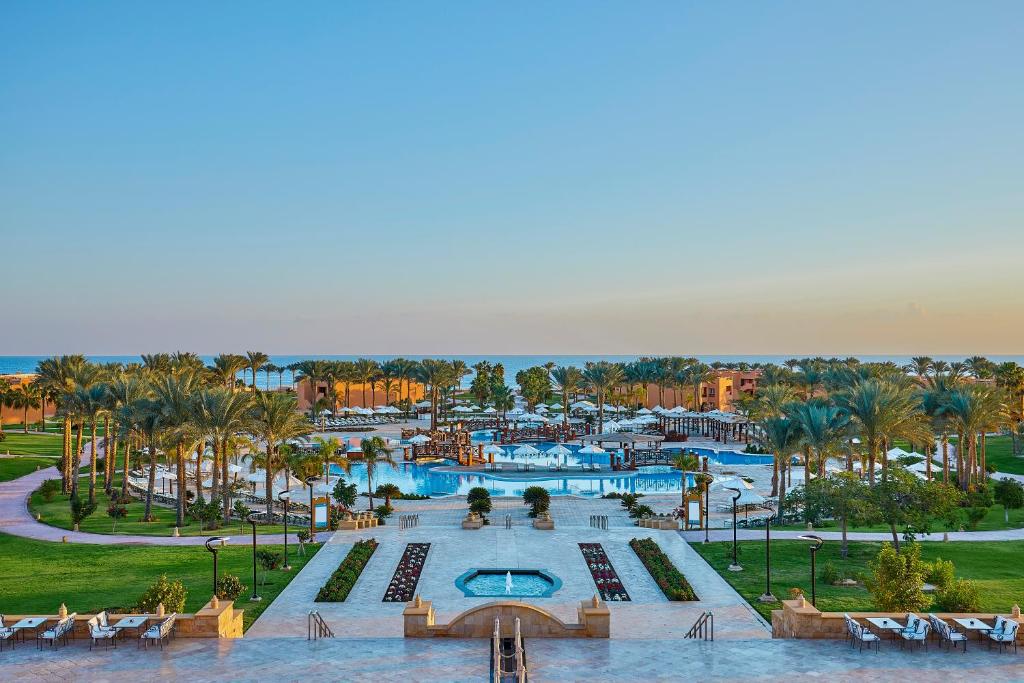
(526, 583)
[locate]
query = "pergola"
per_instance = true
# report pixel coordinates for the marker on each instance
(628, 442)
(716, 424)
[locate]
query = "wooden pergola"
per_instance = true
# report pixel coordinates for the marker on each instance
(715, 424)
(629, 443)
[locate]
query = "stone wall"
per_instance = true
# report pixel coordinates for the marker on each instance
(534, 622)
(799, 619)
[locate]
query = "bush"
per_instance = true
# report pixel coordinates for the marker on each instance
(303, 535)
(229, 587)
(960, 595)
(382, 512)
(897, 579)
(269, 559)
(940, 573)
(975, 515)
(49, 489)
(478, 493)
(171, 593)
(829, 573)
(344, 494)
(628, 501)
(671, 581)
(116, 511)
(641, 512)
(242, 511)
(538, 499)
(345, 576)
(80, 509)
(480, 506)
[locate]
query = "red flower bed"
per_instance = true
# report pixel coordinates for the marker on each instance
(407, 574)
(601, 570)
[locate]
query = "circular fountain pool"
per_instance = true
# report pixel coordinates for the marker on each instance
(508, 583)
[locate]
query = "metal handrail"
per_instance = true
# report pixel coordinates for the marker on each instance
(316, 627)
(704, 627)
(496, 647)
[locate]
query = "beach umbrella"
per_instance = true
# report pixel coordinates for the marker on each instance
(474, 408)
(643, 411)
(461, 409)
(234, 469)
(558, 450)
(325, 413)
(423, 404)
(591, 449)
(419, 438)
(490, 410)
(525, 450)
(581, 405)
(542, 405)
(493, 449)
(612, 426)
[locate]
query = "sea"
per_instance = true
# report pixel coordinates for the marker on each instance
(511, 363)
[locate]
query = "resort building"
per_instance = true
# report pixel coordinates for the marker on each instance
(359, 395)
(720, 393)
(16, 416)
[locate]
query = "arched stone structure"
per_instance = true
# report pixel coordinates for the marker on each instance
(535, 622)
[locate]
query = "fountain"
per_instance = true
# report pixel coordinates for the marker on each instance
(508, 583)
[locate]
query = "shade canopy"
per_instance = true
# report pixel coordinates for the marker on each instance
(525, 449)
(558, 449)
(419, 438)
(591, 449)
(490, 410)
(494, 449)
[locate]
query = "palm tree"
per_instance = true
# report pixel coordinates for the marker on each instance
(568, 379)
(971, 409)
(920, 365)
(5, 398)
(122, 391)
(697, 375)
(504, 399)
(226, 367)
(220, 414)
(255, 361)
(275, 420)
(782, 436)
(603, 377)
(92, 403)
(174, 393)
(26, 397)
(375, 451)
(433, 374)
(824, 429)
(366, 370)
(314, 372)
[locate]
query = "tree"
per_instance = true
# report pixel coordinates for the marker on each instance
(25, 397)
(908, 503)
(568, 379)
(344, 494)
(824, 430)
(480, 387)
(255, 362)
(504, 400)
(534, 384)
(537, 498)
(1009, 494)
(219, 414)
(603, 377)
(80, 510)
(782, 437)
(375, 451)
(387, 492)
(897, 580)
(844, 497)
(275, 420)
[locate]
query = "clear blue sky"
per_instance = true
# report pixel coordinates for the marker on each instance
(454, 177)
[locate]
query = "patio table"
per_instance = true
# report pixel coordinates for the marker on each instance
(886, 624)
(976, 625)
(29, 624)
(130, 623)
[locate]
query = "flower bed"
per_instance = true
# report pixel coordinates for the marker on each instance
(407, 574)
(669, 579)
(345, 576)
(601, 570)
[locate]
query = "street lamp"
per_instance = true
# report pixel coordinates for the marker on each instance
(312, 515)
(218, 540)
(818, 542)
(284, 496)
(707, 507)
(254, 597)
(767, 597)
(735, 566)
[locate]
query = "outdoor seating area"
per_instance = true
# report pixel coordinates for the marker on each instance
(98, 629)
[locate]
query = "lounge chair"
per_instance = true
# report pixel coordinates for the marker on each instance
(916, 634)
(554, 468)
(61, 630)
(497, 467)
(596, 467)
(947, 633)
(860, 634)
(1005, 635)
(159, 632)
(488, 466)
(100, 630)
(6, 633)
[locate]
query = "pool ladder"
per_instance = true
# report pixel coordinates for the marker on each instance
(316, 627)
(508, 657)
(704, 627)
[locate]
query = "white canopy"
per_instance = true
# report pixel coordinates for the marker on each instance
(612, 426)
(558, 449)
(525, 449)
(643, 411)
(581, 405)
(490, 410)
(894, 453)
(591, 449)
(325, 412)
(494, 449)
(423, 404)
(388, 410)
(462, 409)
(419, 438)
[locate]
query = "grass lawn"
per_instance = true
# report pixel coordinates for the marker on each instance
(993, 564)
(57, 512)
(999, 454)
(17, 443)
(39, 576)
(18, 466)
(993, 521)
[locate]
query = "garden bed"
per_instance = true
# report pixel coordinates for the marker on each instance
(601, 570)
(345, 576)
(669, 579)
(407, 574)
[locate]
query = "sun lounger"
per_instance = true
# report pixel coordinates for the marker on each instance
(1004, 634)
(159, 632)
(596, 467)
(60, 631)
(100, 630)
(554, 468)
(488, 467)
(947, 633)
(497, 467)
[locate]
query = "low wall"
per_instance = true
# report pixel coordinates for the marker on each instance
(222, 621)
(534, 622)
(800, 619)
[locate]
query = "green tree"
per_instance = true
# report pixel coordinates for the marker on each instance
(537, 498)
(1009, 494)
(255, 360)
(896, 581)
(844, 497)
(569, 379)
(375, 452)
(906, 502)
(535, 385)
(344, 493)
(603, 377)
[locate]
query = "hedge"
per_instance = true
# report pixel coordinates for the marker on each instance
(345, 576)
(671, 581)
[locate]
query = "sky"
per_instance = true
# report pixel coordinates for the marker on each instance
(566, 178)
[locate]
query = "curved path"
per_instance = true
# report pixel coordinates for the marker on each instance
(16, 520)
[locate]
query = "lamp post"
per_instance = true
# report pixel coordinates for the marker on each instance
(284, 496)
(707, 507)
(254, 597)
(735, 566)
(219, 540)
(767, 597)
(818, 542)
(312, 511)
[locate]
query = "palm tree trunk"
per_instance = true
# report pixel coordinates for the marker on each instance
(225, 489)
(151, 484)
(24, 422)
(775, 475)
(65, 467)
(369, 483)
(199, 471)
(92, 462)
(42, 415)
(76, 461)
(126, 466)
(945, 458)
(179, 459)
(110, 462)
(215, 472)
(871, 463)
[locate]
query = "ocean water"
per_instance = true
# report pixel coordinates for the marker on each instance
(513, 364)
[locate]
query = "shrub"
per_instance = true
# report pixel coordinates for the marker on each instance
(304, 535)
(628, 501)
(382, 512)
(229, 587)
(477, 493)
(344, 494)
(897, 579)
(269, 559)
(49, 489)
(671, 581)
(960, 595)
(795, 593)
(537, 498)
(345, 576)
(481, 506)
(829, 573)
(242, 511)
(940, 573)
(80, 509)
(975, 515)
(171, 593)
(116, 511)
(641, 512)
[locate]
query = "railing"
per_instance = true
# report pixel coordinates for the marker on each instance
(508, 521)
(703, 628)
(516, 673)
(316, 627)
(408, 521)
(599, 521)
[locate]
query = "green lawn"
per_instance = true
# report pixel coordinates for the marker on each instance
(999, 454)
(993, 521)
(19, 466)
(57, 512)
(993, 564)
(17, 443)
(38, 576)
